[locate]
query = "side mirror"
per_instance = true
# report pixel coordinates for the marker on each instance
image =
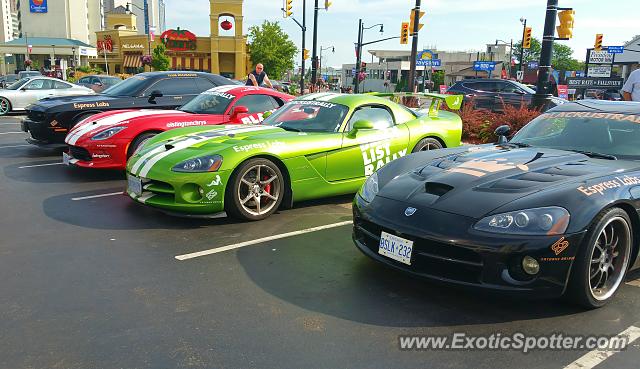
(239, 110)
(154, 95)
(267, 114)
(359, 125)
(502, 132)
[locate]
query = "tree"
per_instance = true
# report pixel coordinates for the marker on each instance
(438, 79)
(561, 59)
(530, 54)
(271, 46)
(160, 60)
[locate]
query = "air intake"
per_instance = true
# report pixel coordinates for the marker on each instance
(438, 189)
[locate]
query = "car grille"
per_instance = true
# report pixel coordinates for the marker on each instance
(428, 257)
(160, 189)
(79, 153)
(36, 116)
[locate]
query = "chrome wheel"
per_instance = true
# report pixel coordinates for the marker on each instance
(259, 190)
(5, 106)
(430, 146)
(610, 258)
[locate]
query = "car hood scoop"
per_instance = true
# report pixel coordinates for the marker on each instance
(476, 182)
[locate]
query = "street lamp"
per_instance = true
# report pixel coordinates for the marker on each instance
(73, 60)
(53, 60)
(524, 29)
(333, 50)
(359, 44)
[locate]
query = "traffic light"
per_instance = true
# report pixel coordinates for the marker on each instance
(404, 33)
(526, 41)
(565, 29)
(305, 54)
(412, 17)
(327, 4)
(286, 9)
(598, 45)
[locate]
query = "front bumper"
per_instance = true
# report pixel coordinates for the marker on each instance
(112, 155)
(44, 134)
(447, 249)
(198, 194)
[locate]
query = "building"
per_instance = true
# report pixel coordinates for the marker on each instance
(9, 26)
(120, 46)
(388, 67)
(155, 10)
(630, 58)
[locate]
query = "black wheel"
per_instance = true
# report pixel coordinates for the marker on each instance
(602, 260)
(5, 106)
(427, 144)
(255, 190)
(142, 138)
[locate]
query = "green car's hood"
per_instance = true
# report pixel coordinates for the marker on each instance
(232, 142)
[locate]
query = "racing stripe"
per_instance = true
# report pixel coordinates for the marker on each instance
(328, 97)
(151, 160)
(224, 88)
(74, 136)
(311, 96)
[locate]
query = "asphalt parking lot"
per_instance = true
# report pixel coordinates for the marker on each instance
(89, 279)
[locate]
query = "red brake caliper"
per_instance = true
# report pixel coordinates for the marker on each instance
(267, 188)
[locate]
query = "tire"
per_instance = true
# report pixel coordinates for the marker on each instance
(427, 144)
(611, 231)
(5, 106)
(245, 188)
(142, 138)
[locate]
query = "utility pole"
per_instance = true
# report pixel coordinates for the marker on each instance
(524, 29)
(314, 57)
(358, 56)
(543, 91)
(414, 47)
(304, 36)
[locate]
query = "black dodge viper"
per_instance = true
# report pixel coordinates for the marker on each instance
(554, 211)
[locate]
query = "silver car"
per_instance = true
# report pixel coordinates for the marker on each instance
(28, 90)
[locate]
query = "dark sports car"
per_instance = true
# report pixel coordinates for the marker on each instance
(554, 211)
(49, 120)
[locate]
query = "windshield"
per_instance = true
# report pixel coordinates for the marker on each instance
(308, 116)
(16, 85)
(602, 133)
(524, 87)
(110, 81)
(129, 87)
(209, 102)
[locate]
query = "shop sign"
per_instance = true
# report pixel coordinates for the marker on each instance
(105, 44)
(178, 39)
(133, 46)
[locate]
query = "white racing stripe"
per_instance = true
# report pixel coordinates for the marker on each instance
(39, 165)
(96, 196)
(12, 146)
(595, 357)
(11, 133)
(259, 240)
(109, 120)
(181, 145)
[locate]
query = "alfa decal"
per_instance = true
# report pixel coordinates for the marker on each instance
(600, 188)
(378, 154)
(560, 246)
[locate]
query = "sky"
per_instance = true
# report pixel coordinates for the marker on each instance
(451, 25)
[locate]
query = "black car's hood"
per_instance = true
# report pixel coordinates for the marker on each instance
(475, 182)
(65, 100)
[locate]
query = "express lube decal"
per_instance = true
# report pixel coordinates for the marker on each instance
(602, 187)
(376, 155)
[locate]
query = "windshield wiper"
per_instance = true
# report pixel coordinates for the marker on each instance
(598, 155)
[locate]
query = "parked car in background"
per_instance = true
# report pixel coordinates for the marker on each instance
(494, 94)
(49, 121)
(98, 83)
(29, 90)
(598, 94)
(28, 73)
(8, 80)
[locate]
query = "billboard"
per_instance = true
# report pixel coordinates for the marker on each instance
(38, 6)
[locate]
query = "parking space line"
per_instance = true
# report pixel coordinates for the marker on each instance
(12, 146)
(259, 240)
(39, 165)
(10, 133)
(96, 196)
(635, 283)
(7, 124)
(595, 357)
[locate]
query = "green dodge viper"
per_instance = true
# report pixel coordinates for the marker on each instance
(318, 145)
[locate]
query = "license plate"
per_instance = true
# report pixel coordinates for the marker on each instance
(135, 184)
(66, 158)
(396, 248)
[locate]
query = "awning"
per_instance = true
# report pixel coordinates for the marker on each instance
(132, 61)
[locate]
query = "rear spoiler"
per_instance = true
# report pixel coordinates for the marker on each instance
(453, 102)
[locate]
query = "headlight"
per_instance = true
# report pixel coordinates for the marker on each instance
(107, 133)
(210, 163)
(549, 221)
(369, 188)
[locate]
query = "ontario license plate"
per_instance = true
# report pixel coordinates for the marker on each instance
(135, 184)
(66, 158)
(396, 248)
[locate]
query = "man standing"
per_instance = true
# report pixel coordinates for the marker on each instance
(631, 89)
(258, 77)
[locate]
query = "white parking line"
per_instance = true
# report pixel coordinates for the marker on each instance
(39, 165)
(259, 240)
(12, 146)
(96, 196)
(635, 283)
(595, 357)
(8, 124)
(10, 133)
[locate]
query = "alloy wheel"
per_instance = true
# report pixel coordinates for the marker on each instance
(259, 190)
(610, 258)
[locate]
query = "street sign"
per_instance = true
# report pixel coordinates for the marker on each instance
(600, 57)
(615, 49)
(599, 71)
(532, 65)
(443, 89)
(520, 75)
(590, 82)
(580, 73)
(563, 92)
(428, 62)
(425, 54)
(485, 66)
